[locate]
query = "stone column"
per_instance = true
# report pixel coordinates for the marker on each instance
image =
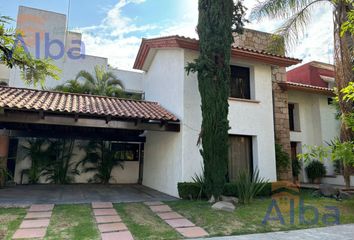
(4, 150)
(281, 119)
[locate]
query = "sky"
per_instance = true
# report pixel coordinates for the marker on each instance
(114, 28)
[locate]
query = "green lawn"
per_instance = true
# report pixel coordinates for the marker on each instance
(77, 221)
(72, 222)
(10, 220)
(143, 223)
(248, 218)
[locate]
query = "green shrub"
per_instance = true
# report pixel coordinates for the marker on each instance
(189, 190)
(315, 169)
(282, 157)
(230, 190)
(296, 167)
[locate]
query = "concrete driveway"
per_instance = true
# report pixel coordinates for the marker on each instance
(82, 193)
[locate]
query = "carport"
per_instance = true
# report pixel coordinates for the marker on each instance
(36, 113)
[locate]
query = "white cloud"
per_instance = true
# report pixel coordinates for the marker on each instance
(114, 37)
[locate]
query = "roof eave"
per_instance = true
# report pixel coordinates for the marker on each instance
(287, 87)
(191, 44)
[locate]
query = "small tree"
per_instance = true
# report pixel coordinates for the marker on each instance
(12, 55)
(217, 21)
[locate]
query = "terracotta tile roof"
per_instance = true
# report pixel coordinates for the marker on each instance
(306, 88)
(193, 44)
(59, 102)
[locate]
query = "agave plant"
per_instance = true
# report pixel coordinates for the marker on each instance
(59, 169)
(100, 160)
(200, 180)
(249, 185)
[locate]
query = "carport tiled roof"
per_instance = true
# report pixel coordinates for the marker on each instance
(81, 104)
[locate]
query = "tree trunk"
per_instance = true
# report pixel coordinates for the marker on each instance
(343, 71)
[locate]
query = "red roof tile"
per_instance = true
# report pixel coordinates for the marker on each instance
(306, 88)
(50, 101)
(177, 41)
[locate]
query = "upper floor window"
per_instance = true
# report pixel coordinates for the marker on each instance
(240, 86)
(294, 121)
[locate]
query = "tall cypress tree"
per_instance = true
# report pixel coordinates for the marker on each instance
(218, 19)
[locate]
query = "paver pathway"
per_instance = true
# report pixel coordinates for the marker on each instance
(35, 223)
(175, 220)
(109, 222)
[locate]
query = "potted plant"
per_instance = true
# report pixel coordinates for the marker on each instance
(315, 171)
(314, 157)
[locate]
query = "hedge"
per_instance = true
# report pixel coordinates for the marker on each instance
(191, 190)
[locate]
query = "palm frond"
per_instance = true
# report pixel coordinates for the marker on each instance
(86, 76)
(280, 9)
(296, 12)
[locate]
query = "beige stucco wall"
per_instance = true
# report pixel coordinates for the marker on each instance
(318, 124)
(129, 173)
(163, 83)
(245, 118)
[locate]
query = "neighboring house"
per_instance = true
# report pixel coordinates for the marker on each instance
(44, 34)
(312, 117)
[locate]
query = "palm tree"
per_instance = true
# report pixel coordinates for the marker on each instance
(100, 160)
(102, 82)
(297, 14)
(72, 86)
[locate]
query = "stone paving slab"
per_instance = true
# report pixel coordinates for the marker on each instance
(102, 205)
(108, 219)
(192, 232)
(169, 215)
(112, 227)
(29, 233)
(38, 223)
(339, 232)
(105, 212)
(126, 235)
(41, 208)
(180, 223)
(36, 215)
(153, 203)
(160, 208)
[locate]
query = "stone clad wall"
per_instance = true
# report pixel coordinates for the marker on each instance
(254, 39)
(261, 41)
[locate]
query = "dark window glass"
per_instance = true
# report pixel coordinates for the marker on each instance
(240, 156)
(240, 82)
(291, 117)
(126, 151)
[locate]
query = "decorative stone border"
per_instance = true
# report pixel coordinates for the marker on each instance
(35, 223)
(176, 221)
(109, 222)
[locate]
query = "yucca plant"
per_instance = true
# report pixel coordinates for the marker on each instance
(249, 185)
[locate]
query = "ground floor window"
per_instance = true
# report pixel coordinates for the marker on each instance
(240, 155)
(127, 151)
